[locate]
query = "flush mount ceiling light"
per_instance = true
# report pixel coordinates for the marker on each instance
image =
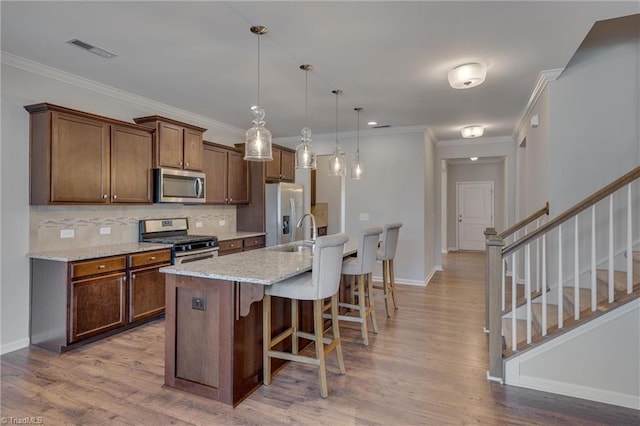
(473, 158)
(372, 123)
(357, 168)
(91, 48)
(258, 138)
(472, 131)
(305, 157)
(467, 75)
(336, 161)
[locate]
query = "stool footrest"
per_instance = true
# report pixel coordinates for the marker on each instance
(280, 337)
(291, 357)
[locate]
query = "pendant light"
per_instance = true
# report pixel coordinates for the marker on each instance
(357, 167)
(336, 161)
(258, 137)
(305, 157)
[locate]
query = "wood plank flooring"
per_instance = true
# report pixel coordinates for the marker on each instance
(427, 366)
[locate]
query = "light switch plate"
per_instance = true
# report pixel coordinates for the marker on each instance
(67, 233)
(198, 224)
(105, 230)
(364, 216)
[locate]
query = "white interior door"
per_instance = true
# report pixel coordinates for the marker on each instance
(475, 213)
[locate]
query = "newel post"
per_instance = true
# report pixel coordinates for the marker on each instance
(488, 233)
(494, 271)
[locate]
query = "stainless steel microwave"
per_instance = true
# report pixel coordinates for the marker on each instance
(178, 186)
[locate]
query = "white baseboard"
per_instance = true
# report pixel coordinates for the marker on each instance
(452, 249)
(14, 346)
(444, 251)
(403, 281)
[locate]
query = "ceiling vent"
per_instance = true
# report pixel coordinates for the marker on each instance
(91, 48)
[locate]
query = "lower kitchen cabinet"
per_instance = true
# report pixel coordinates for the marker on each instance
(75, 301)
(240, 244)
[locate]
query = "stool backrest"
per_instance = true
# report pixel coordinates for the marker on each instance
(390, 240)
(367, 248)
(327, 264)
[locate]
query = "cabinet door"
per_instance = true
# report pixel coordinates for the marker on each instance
(96, 305)
(79, 160)
(192, 150)
(238, 183)
(130, 165)
(169, 145)
(146, 294)
(273, 167)
(215, 169)
(287, 166)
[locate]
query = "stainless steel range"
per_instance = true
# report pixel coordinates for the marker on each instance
(186, 248)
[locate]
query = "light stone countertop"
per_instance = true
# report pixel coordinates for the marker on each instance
(239, 235)
(264, 266)
(71, 255)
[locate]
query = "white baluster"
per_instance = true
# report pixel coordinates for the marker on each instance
(537, 257)
(629, 245)
(503, 284)
(611, 248)
(560, 300)
(514, 329)
(527, 287)
(544, 284)
(594, 299)
(576, 274)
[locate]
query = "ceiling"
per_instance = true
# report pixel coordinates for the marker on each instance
(390, 58)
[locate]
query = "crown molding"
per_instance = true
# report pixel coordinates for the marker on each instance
(85, 83)
(476, 141)
(543, 79)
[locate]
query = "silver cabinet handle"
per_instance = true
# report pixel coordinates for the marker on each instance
(152, 258)
(133, 276)
(101, 266)
(104, 196)
(115, 196)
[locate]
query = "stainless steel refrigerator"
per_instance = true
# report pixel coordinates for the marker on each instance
(283, 209)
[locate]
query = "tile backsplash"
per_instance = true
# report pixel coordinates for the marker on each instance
(47, 222)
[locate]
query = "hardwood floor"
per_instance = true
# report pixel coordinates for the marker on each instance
(427, 366)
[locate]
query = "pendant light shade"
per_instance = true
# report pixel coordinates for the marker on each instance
(258, 137)
(305, 157)
(337, 159)
(357, 168)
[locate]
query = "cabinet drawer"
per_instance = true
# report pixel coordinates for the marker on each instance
(230, 245)
(98, 266)
(253, 242)
(149, 258)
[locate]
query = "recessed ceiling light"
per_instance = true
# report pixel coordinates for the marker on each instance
(466, 76)
(372, 123)
(91, 48)
(472, 131)
(473, 158)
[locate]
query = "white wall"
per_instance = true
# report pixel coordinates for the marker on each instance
(25, 83)
(475, 172)
(329, 190)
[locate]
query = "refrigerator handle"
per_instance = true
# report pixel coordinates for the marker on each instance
(294, 219)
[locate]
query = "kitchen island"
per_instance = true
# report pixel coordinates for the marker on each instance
(213, 341)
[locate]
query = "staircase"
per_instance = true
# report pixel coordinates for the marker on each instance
(545, 279)
(568, 308)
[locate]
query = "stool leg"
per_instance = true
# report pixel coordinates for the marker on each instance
(363, 310)
(294, 326)
(392, 280)
(318, 325)
(371, 304)
(385, 286)
(266, 339)
(336, 333)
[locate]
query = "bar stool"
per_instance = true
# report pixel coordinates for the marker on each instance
(360, 268)
(386, 253)
(322, 282)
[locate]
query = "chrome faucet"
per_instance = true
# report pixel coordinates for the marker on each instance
(314, 228)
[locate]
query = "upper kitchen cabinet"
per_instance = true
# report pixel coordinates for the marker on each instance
(227, 175)
(177, 145)
(282, 167)
(81, 158)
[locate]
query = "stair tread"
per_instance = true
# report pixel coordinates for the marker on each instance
(619, 279)
(636, 256)
(552, 315)
(521, 300)
(521, 331)
(585, 298)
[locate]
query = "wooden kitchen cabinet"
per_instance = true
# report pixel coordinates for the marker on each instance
(282, 167)
(176, 145)
(227, 175)
(80, 301)
(240, 244)
(146, 284)
(97, 297)
(81, 158)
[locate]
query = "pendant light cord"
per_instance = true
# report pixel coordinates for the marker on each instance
(258, 35)
(358, 135)
(337, 94)
(306, 98)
